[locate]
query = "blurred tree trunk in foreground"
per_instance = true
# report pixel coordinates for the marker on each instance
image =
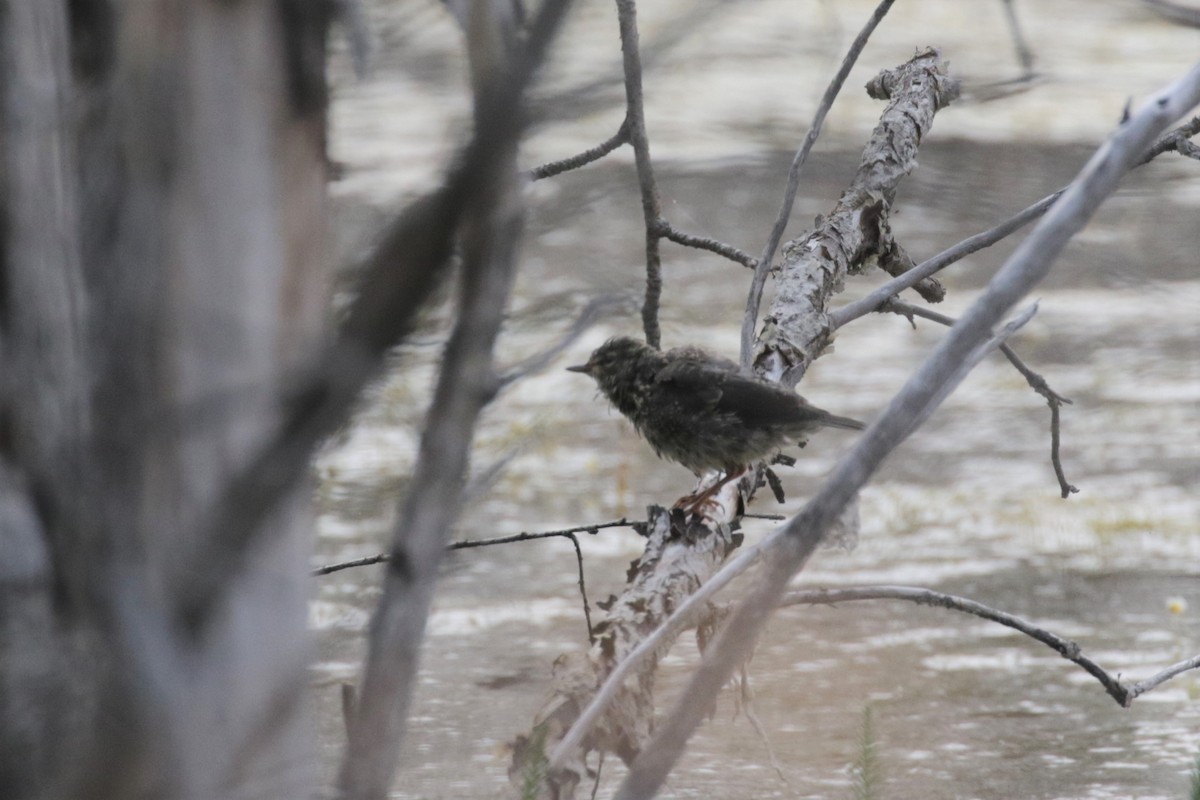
(161, 276)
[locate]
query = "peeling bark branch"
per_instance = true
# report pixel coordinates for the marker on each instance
(674, 564)
(568, 747)
(763, 267)
(855, 233)
(1174, 140)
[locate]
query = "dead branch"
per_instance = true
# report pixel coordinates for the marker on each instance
(491, 225)
(1035, 381)
(669, 231)
(616, 668)
(582, 159)
(1122, 693)
(855, 233)
(750, 318)
(674, 563)
(635, 121)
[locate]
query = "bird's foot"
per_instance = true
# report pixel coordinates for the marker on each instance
(696, 503)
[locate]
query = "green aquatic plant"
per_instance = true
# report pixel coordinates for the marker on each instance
(867, 771)
(1194, 794)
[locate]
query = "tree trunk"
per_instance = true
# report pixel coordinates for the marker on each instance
(161, 278)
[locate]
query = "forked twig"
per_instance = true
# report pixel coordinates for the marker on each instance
(1035, 381)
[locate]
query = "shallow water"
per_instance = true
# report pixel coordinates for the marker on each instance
(968, 505)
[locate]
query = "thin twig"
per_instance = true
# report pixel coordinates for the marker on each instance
(1141, 687)
(635, 121)
(466, 544)
(1173, 139)
(754, 300)
(669, 231)
(1035, 381)
(587, 611)
(1024, 54)
(1123, 694)
(582, 159)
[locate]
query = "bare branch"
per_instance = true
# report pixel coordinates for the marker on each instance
(467, 544)
(1176, 139)
(862, 307)
(1035, 381)
(492, 223)
(1024, 54)
(1141, 687)
(582, 159)
(795, 542)
(669, 231)
(635, 121)
(750, 319)
(1123, 694)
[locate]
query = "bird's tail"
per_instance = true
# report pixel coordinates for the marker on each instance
(834, 421)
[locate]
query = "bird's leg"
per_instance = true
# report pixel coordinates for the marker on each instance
(693, 503)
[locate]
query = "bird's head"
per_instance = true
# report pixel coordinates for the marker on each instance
(623, 368)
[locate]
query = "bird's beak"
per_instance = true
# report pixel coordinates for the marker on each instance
(584, 368)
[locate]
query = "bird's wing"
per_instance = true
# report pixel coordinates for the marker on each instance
(760, 403)
(711, 386)
(692, 384)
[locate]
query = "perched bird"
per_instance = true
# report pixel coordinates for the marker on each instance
(701, 410)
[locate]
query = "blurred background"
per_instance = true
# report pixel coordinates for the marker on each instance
(968, 505)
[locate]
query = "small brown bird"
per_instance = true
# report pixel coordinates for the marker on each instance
(701, 410)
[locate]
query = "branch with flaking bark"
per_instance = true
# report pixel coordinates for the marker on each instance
(1175, 140)
(855, 234)
(761, 269)
(677, 559)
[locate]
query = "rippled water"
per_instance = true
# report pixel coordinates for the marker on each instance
(968, 505)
